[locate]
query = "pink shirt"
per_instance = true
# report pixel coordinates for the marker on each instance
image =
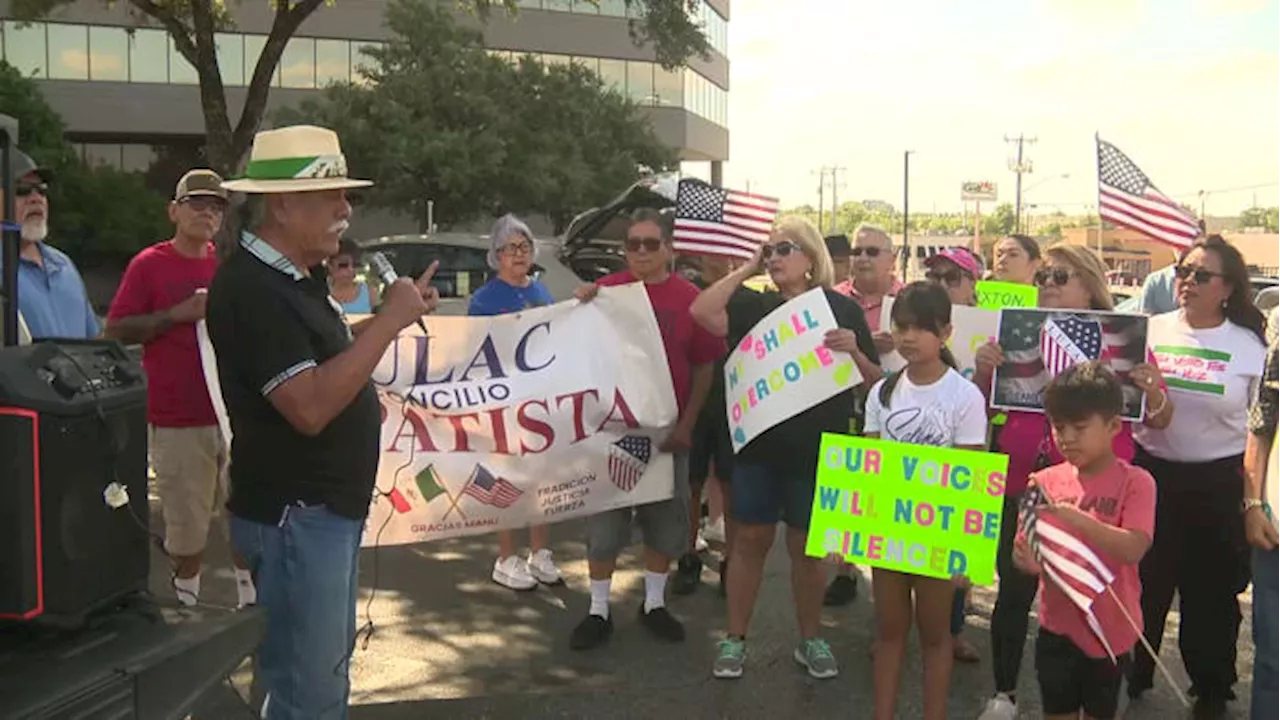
(1023, 435)
(686, 342)
(1123, 496)
(870, 308)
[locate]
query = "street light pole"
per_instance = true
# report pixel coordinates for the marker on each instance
(906, 211)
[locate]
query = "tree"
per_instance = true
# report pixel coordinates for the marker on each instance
(192, 24)
(443, 120)
(1257, 217)
(1001, 222)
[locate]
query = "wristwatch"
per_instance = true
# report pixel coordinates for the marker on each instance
(1251, 503)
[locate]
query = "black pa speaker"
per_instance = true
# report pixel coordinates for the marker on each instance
(74, 515)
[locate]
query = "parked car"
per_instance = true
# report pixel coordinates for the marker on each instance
(589, 249)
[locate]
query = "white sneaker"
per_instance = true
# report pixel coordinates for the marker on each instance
(999, 707)
(513, 572)
(714, 531)
(543, 568)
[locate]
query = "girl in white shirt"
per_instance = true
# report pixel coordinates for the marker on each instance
(927, 403)
(1211, 352)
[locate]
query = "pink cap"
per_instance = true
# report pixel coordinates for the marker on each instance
(960, 257)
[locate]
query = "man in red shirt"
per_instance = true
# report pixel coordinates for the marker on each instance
(161, 298)
(691, 354)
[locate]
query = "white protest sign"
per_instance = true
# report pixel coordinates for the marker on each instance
(781, 368)
(502, 422)
(971, 328)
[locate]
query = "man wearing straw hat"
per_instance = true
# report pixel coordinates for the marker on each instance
(305, 419)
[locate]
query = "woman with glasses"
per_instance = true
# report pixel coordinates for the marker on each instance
(356, 297)
(957, 270)
(775, 474)
(1016, 259)
(1212, 349)
(1071, 278)
(511, 290)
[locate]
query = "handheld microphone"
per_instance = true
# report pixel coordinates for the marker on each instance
(388, 275)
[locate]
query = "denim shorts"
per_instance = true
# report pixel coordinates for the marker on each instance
(762, 496)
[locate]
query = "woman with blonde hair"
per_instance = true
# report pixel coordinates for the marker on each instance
(1070, 278)
(774, 475)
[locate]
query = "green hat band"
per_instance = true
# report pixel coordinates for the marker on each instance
(297, 168)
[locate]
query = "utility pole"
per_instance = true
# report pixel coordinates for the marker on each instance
(822, 186)
(906, 211)
(835, 188)
(1019, 166)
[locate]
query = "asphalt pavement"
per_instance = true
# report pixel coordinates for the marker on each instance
(449, 643)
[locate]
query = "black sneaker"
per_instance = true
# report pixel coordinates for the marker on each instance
(1210, 707)
(688, 575)
(662, 624)
(842, 591)
(724, 567)
(592, 632)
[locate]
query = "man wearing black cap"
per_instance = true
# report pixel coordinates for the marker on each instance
(51, 294)
(839, 248)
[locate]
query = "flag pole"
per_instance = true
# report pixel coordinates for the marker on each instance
(1154, 655)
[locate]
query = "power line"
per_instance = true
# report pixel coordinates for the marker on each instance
(1195, 193)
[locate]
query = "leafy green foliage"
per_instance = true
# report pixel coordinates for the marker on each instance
(1258, 217)
(445, 121)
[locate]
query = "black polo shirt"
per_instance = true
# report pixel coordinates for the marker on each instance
(268, 322)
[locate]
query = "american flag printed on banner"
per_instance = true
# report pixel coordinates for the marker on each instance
(1067, 341)
(1127, 197)
(628, 459)
(1065, 560)
(490, 490)
(714, 221)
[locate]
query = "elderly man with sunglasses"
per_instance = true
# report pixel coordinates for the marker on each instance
(51, 293)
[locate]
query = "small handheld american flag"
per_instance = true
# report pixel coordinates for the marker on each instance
(1127, 197)
(491, 490)
(628, 459)
(714, 221)
(1065, 561)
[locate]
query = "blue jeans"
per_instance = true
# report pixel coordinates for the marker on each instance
(1266, 695)
(305, 572)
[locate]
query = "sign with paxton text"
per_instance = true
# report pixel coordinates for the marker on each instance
(995, 295)
(781, 368)
(915, 509)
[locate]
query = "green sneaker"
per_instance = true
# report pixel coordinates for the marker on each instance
(733, 655)
(815, 655)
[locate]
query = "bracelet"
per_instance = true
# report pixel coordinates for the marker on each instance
(1164, 402)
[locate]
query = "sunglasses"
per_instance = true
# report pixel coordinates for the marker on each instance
(868, 251)
(781, 249)
(650, 244)
(344, 265)
(25, 189)
(1057, 276)
(1198, 275)
(520, 248)
(948, 277)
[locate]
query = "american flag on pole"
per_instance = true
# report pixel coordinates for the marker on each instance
(490, 490)
(1126, 197)
(628, 459)
(714, 221)
(1066, 562)
(1067, 341)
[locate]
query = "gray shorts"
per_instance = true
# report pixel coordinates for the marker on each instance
(664, 525)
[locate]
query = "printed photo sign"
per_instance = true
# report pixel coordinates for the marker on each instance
(915, 509)
(1040, 344)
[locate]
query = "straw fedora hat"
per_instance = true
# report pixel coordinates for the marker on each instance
(300, 158)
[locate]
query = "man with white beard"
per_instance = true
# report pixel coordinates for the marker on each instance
(51, 294)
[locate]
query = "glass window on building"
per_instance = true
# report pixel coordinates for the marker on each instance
(253, 45)
(635, 9)
(68, 51)
(333, 62)
(230, 58)
(530, 4)
(24, 48)
(551, 59)
(640, 81)
(136, 158)
(558, 5)
(96, 154)
(359, 59)
(668, 87)
(586, 7)
(108, 54)
(149, 56)
(181, 72)
(590, 63)
(298, 63)
(614, 74)
(613, 8)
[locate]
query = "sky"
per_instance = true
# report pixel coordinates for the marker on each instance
(1188, 89)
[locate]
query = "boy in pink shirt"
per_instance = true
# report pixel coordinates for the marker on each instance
(1109, 505)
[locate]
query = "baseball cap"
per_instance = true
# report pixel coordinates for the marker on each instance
(199, 182)
(22, 164)
(838, 245)
(958, 256)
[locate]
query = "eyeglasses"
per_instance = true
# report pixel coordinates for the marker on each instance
(868, 251)
(1056, 276)
(25, 189)
(202, 203)
(650, 244)
(1198, 275)
(344, 265)
(781, 249)
(519, 248)
(948, 277)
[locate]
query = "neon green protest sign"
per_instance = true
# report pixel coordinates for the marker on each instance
(994, 295)
(912, 508)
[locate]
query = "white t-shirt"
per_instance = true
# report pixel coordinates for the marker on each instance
(947, 412)
(1210, 374)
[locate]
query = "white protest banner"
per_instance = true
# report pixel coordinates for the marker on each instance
(781, 368)
(971, 328)
(501, 422)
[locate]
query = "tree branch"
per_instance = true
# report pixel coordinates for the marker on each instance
(181, 35)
